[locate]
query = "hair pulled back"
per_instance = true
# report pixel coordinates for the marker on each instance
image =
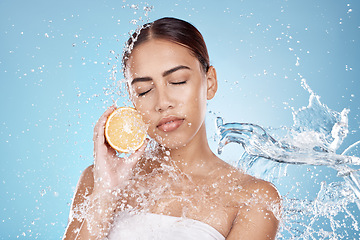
(174, 30)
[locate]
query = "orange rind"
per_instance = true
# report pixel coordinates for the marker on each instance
(125, 130)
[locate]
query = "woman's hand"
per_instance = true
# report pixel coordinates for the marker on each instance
(110, 171)
(96, 187)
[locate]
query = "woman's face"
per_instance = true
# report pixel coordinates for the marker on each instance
(169, 88)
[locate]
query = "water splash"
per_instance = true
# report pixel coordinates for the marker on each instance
(313, 139)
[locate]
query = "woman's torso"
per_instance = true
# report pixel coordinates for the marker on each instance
(160, 188)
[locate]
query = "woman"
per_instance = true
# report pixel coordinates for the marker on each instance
(177, 188)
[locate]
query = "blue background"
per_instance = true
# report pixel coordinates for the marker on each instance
(60, 68)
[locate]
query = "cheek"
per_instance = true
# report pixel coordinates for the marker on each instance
(138, 101)
(143, 106)
(185, 96)
(195, 96)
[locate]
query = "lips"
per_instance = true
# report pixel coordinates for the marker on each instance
(169, 124)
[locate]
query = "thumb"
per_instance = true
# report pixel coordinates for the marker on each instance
(134, 157)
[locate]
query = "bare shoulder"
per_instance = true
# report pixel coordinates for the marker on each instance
(261, 189)
(247, 185)
(257, 206)
(83, 189)
(85, 184)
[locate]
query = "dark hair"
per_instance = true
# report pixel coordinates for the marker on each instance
(174, 30)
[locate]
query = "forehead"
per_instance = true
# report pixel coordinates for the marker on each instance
(156, 56)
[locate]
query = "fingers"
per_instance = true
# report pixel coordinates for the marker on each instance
(100, 146)
(138, 153)
(100, 125)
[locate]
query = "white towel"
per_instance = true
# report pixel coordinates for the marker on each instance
(149, 226)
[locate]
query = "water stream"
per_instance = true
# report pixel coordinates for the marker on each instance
(313, 139)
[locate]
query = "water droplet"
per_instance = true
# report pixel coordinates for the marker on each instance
(42, 192)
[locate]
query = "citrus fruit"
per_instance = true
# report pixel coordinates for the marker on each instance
(125, 130)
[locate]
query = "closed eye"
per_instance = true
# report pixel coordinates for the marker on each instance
(178, 83)
(144, 93)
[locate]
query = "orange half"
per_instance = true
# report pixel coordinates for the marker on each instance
(125, 130)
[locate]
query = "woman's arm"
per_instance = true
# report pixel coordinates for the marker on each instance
(83, 190)
(98, 218)
(259, 218)
(91, 214)
(94, 203)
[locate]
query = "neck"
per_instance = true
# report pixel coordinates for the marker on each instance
(195, 157)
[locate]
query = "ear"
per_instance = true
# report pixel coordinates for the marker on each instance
(212, 84)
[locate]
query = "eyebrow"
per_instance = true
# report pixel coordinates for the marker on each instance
(141, 79)
(166, 73)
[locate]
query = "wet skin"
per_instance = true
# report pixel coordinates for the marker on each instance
(166, 83)
(169, 88)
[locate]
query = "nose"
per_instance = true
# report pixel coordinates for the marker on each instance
(164, 100)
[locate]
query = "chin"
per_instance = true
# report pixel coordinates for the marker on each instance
(169, 142)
